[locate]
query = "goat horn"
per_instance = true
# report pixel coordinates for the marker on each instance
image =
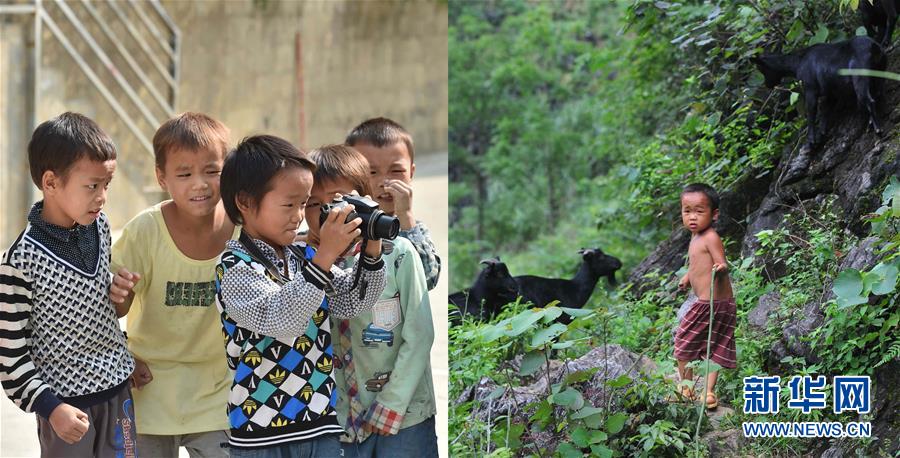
(490, 261)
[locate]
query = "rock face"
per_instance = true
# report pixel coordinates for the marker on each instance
(611, 361)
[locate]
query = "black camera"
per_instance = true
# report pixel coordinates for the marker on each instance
(376, 224)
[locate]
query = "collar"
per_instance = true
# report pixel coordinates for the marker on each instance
(57, 232)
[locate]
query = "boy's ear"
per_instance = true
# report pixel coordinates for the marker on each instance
(50, 181)
(161, 179)
(242, 201)
(412, 170)
(715, 215)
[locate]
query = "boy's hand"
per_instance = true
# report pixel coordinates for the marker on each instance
(684, 283)
(141, 375)
(335, 236)
(719, 268)
(402, 195)
(122, 286)
(69, 423)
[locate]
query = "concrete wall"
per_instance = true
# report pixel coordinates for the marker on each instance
(307, 71)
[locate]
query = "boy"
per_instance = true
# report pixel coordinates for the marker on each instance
(699, 209)
(388, 148)
(63, 355)
(276, 298)
(168, 254)
(389, 407)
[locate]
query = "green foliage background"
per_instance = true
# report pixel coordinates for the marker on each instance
(575, 124)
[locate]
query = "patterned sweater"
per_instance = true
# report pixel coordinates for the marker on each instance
(60, 340)
(278, 341)
(431, 262)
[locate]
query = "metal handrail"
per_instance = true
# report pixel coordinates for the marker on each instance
(117, 75)
(51, 24)
(172, 51)
(167, 108)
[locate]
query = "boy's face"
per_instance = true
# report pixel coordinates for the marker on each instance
(696, 213)
(276, 218)
(191, 177)
(322, 193)
(391, 162)
(80, 194)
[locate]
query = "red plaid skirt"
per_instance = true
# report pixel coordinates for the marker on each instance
(690, 337)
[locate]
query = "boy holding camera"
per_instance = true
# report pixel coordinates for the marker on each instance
(276, 299)
(387, 400)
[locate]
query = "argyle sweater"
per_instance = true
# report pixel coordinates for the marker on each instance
(278, 341)
(60, 340)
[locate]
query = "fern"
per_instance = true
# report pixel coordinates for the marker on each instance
(893, 352)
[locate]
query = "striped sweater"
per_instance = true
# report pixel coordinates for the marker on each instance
(60, 340)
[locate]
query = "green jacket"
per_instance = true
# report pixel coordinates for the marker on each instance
(391, 348)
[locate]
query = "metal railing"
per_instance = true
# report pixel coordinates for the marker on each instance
(167, 68)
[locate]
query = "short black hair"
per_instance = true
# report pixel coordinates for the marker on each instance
(706, 190)
(250, 167)
(57, 144)
(381, 132)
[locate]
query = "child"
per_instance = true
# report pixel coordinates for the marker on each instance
(276, 300)
(389, 406)
(699, 209)
(168, 253)
(388, 148)
(63, 354)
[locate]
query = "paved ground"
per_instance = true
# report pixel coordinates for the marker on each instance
(18, 430)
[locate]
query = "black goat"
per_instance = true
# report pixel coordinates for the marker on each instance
(817, 68)
(879, 18)
(572, 293)
(493, 289)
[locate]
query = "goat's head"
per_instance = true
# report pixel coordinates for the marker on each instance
(601, 263)
(769, 66)
(497, 280)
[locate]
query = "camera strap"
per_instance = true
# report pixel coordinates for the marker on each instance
(259, 257)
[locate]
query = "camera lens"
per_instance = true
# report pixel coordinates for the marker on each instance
(378, 225)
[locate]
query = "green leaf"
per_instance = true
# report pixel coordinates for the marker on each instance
(598, 436)
(848, 284)
(562, 345)
(890, 191)
(531, 362)
(794, 97)
(576, 313)
(886, 278)
(616, 422)
(585, 412)
(524, 321)
(496, 393)
(547, 334)
(619, 381)
(594, 421)
(821, 35)
(551, 313)
(580, 376)
(566, 450)
(601, 451)
(580, 437)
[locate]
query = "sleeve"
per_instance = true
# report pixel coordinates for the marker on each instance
(345, 302)
(261, 305)
(414, 355)
(431, 262)
(130, 250)
(20, 379)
